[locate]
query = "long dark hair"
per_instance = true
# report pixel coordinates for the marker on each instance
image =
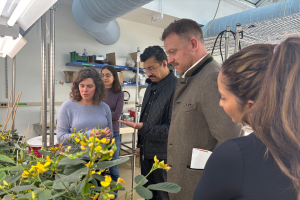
(275, 116)
(116, 87)
(100, 92)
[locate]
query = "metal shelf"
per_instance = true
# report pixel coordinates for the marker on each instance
(82, 64)
(134, 85)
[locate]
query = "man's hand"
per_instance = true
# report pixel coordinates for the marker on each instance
(107, 133)
(132, 124)
(138, 152)
(96, 133)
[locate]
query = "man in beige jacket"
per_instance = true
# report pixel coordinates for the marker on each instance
(197, 119)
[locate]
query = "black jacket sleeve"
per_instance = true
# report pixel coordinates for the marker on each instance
(158, 132)
(222, 175)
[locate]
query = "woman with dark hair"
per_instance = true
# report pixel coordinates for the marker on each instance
(115, 100)
(256, 88)
(85, 110)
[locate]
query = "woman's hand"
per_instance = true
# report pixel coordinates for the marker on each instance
(96, 133)
(107, 133)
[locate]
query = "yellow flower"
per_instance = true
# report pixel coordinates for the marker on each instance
(120, 180)
(77, 139)
(13, 196)
(111, 196)
(4, 182)
(40, 167)
(103, 131)
(98, 148)
(111, 153)
(113, 141)
(91, 144)
(93, 186)
(96, 196)
(29, 190)
(69, 148)
(103, 140)
(155, 159)
(107, 141)
(100, 171)
(83, 143)
(72, 135)
(91, 139)
(89, 164)
(82, 148)
(25, 174)
(107, 181)
(48, 159)
(2, 137)
(167, 168)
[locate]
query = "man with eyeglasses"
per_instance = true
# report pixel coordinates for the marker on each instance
(155, 116)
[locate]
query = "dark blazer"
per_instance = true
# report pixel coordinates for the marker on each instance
(197, 122)
(153, 135)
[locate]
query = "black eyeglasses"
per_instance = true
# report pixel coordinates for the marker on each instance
(150, 69)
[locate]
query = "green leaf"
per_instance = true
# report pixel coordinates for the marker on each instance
(60, 186)
(9, 168)
(143, 192)
(23, 188)
(2, 176)
(3, 142)
(44, 153)
(167, 187)
(7, 197)
(93, 181)
(58, 195)
(68, 161)
(80, 186)
(6, 159)
(14, 178)
(71, 178)
(107, 164)
(98, 177)
(139, 178)
(70, 169)
(85, 189)
(45, 195)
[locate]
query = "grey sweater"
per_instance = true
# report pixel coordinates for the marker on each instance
(76, 115)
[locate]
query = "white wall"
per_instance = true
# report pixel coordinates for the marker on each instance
(69, 37)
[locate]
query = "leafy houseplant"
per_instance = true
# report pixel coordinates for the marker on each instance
(69, 172)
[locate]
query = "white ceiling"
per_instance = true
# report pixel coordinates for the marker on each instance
(143, 15)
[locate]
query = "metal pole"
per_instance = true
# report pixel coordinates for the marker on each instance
(6, 78)
(136, 116)
(52, 73)
(238, 29)
(44, 80)
(227, 41)
(13, 87)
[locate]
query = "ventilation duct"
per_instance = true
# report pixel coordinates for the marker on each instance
(271, 11)
(97, 17)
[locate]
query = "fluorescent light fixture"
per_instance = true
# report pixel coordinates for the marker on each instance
(21, 7)
(2, 5)
(6, 44)
(10, 46)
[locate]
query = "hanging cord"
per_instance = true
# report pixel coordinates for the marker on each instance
(221, 34)
(212, 52)
(283, 19)
(213, 18)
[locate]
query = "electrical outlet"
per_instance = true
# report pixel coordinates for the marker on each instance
(3, 105)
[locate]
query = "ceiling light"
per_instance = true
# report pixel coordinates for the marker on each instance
(2, 5)
(21, 7)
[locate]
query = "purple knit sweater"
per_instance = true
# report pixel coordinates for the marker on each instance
(115, 101)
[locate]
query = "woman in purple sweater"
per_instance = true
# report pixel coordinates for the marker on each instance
(115, 100)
